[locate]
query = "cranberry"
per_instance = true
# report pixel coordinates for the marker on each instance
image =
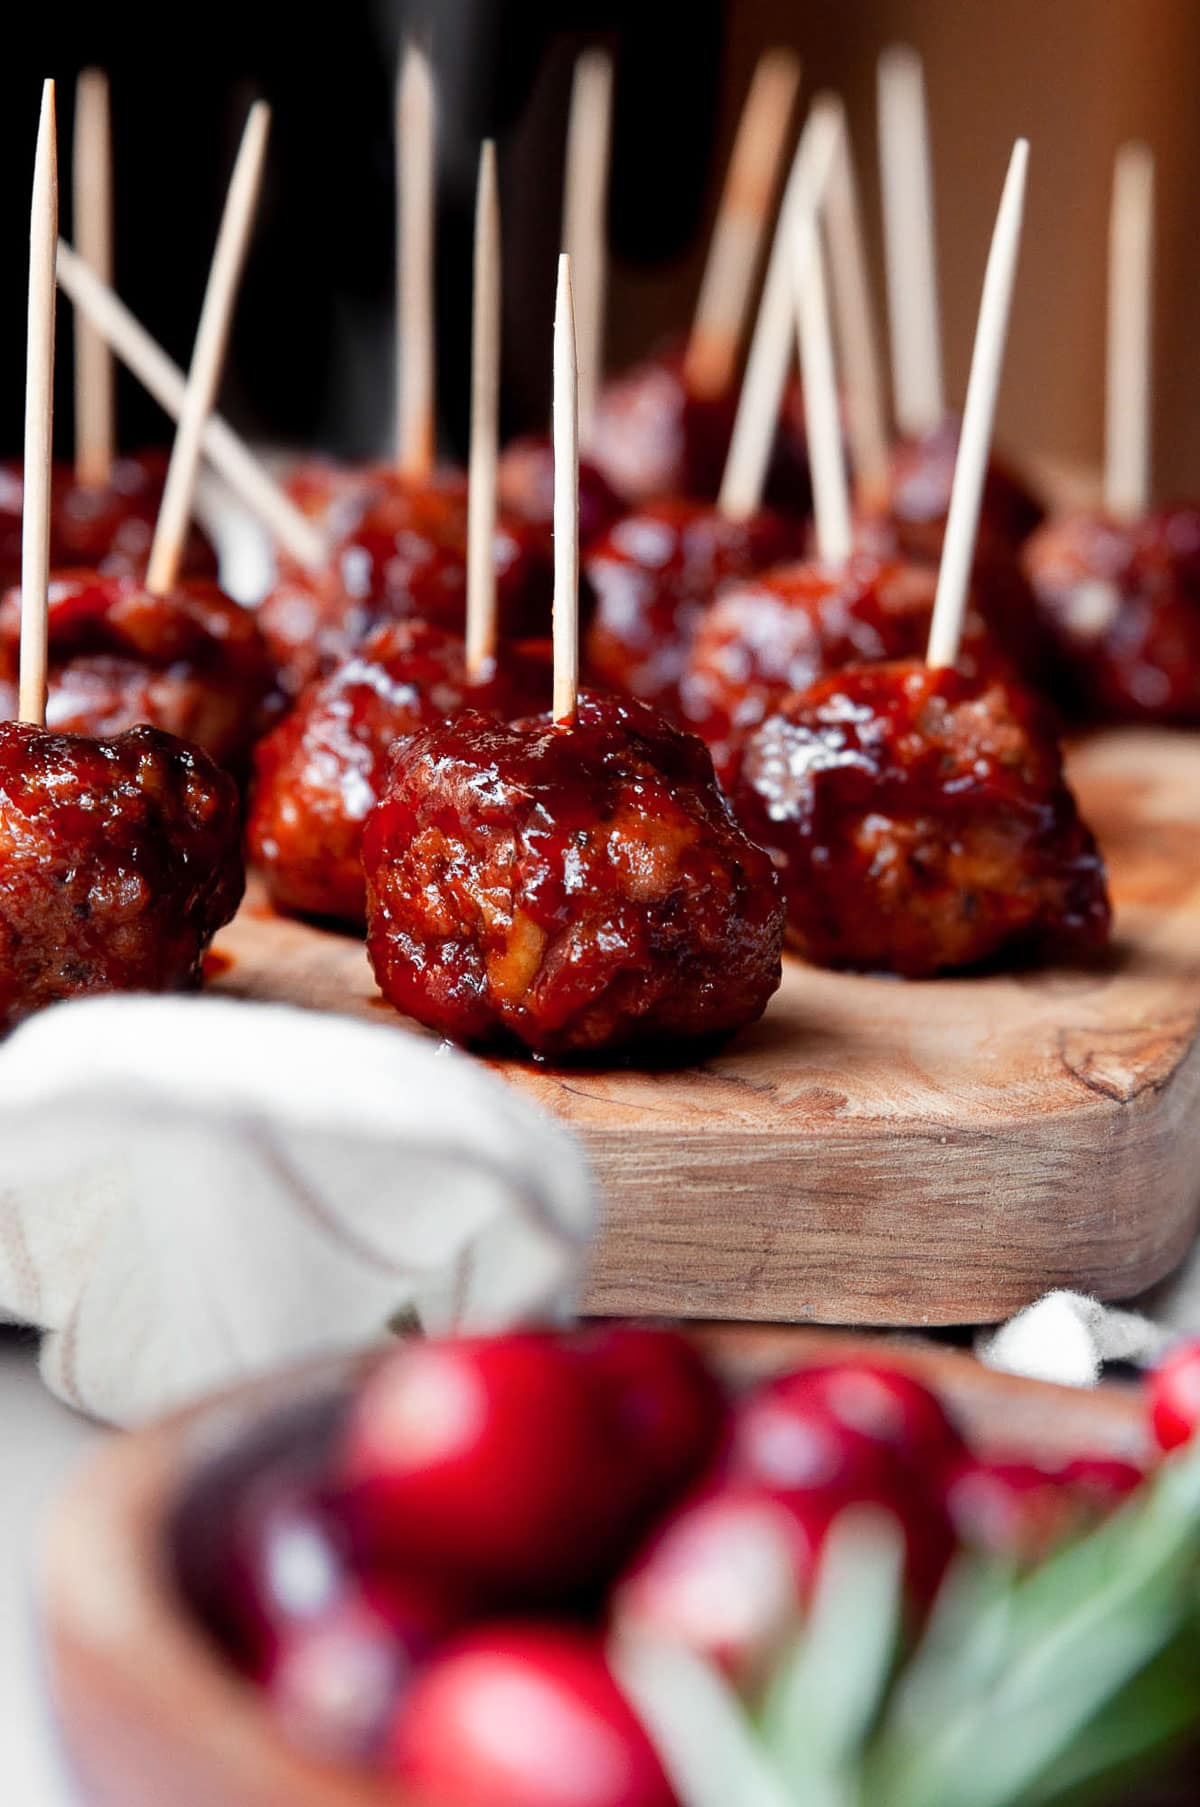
(786, 1437)
(255, 1543)
(1175, 1396)
(668, 1409)
(523, 1716)
(885, 1404)
(335, 1678)
(488, 1460)
(1103, 1482)
(1011, 1509)
(727, 1574)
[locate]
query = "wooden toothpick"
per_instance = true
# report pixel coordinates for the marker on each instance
(246, 476)
(910, 254)
(1129, 384)
(39, 420)
(566, 500)
(710, 362)
(485, 423)
(774, 331)
(416, 166)
(855, 316)
(822, 416)
(585, 217)
(970, 469)
(95, 376)
(212, 336)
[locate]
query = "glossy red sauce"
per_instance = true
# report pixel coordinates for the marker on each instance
(920, 822)
(399, 553)
(110, 528)
(653, 576)
(782, 631)
(119, 861)
(321, 770)
(191, 662)
(1122, 604)
(571, 890)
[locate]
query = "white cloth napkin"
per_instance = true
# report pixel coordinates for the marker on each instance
(197, 1189)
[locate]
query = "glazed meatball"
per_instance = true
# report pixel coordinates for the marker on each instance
(109, 528)
(920, 822)
(782, 631)
(320, 771)
(655, 436)
(119, 861)
(1122, 604)
(526, 487)
(400, 552)
(653, 576)
(572, 890)
(918, 498)
(191, 662)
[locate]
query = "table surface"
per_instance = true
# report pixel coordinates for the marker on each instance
(43, 1442)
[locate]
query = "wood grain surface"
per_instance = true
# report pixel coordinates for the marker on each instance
(884, 1152)
(153, 1718)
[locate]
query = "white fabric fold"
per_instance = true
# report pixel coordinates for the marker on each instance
(197, 1189)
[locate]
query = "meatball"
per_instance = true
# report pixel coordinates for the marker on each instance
(654, 436)
(782, 631)
(920, 822)
(191, 662)
(653, 575)
(575, 889)
(400, 551)
(526, 485)
(119, 861)
(918, 498)
(110, 529)
(321, 769)
(1122, 604)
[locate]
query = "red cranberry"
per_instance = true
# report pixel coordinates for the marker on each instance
(1175, 1396)
(1103, 1482)
(668, 1409)
(489, 1460)
(254, 1542)
(885, 1404)
(727, 1574)
(785, 1437)
(334, 1680)
(523, 1716)
(1011, 1509)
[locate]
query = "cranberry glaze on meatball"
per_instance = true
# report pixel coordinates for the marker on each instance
(321, 770)
(191, 662)
(571, 889)
(119, 861)
(1121, 602)
(400, 553)
(920, 822)
(653, 577)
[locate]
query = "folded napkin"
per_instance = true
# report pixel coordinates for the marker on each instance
(197, 1189)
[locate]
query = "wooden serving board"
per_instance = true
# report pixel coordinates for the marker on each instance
(878, 1152)
(152, 1716)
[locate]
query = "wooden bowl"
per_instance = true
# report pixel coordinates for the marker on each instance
(150, 1713)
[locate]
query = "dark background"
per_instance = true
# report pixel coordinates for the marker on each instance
(311, 357)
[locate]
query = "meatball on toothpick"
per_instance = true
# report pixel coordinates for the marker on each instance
(119, 858)
(918, 814)
(572, 884)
